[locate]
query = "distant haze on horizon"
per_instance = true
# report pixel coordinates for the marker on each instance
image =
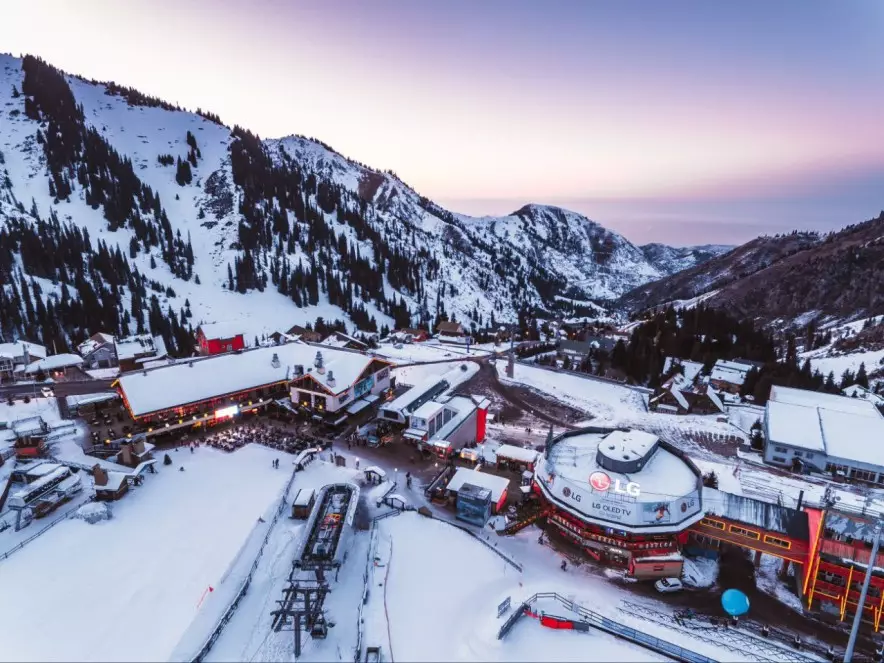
(685, 122)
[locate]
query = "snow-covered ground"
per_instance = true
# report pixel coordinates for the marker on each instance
(837, 364)
(616, 405)
(427, 607)
(128, 588)
(431, 350)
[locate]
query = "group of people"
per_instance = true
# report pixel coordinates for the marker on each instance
(262, 433)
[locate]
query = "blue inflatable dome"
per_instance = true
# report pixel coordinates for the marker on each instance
(735, 602)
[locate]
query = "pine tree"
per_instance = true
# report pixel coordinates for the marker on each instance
(861, 378)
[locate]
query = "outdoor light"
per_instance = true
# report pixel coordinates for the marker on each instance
(150, 430)
(167, 424)
(128, 434)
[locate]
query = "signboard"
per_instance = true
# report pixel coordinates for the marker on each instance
(619, 502)
(504, 607)
(225, 412)
(363, 386)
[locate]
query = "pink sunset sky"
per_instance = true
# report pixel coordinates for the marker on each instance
(683, 122)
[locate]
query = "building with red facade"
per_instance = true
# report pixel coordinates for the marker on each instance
(219, 337)
(631, 500)
(206, 389)
(624, 496)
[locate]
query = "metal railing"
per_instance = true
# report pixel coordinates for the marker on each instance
(244, 587)
(69, 514)
(615, 628)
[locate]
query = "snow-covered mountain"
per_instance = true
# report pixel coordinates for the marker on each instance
(201, 215)
(673, 259)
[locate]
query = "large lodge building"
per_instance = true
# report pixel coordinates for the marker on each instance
(631, 500)
(327, 381)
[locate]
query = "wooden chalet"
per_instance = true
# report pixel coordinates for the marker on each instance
(307, 335)
(447, 328)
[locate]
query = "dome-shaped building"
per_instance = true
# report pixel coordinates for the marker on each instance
(624, 496)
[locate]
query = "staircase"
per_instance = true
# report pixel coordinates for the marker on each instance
(526, 520)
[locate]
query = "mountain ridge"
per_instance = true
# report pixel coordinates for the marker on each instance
(211, 213)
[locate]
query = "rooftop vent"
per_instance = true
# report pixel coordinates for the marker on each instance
(331, 378)
(318, 361)
(275, 361)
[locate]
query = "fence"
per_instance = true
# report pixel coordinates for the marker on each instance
(613, 627)
(48, 527)
(234, 604)
(366, 575)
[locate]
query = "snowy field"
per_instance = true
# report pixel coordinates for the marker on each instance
(616, 405)
(128, 588)
(452, 615)
(432, 350)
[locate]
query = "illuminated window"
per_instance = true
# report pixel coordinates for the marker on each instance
(749, 534)
(712, 523)
(780, 543)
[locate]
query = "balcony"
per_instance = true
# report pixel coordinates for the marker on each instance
(855, 552)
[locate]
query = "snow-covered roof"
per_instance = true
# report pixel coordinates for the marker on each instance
(54, 362)
(772, 517)
(691, 368)
(841, 427)
(14, 350)
(401, 403)
(516, 453)
(377, 470)
(464, 407)
(664, 475)
(75, 400)
(223, 330)
(94, 342)
(715, 398)
(211, 377)
(729, 371)
(41, 470)
(679, 397)
(628, 445)
(114, 482)
(428, 410)
(304, 496)
(820, 399)
(497, 485)
(140, 346)
(34, 487)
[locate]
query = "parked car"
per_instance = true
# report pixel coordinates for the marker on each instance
(668, 585)
(47, 392)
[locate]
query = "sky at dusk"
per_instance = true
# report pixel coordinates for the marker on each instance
(683, 122)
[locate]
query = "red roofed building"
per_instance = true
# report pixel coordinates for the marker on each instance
(218, 337)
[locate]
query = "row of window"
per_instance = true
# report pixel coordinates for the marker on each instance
(747, 533)
(798, 454)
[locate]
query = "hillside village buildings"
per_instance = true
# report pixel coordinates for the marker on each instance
(16, 357)
(130, 353)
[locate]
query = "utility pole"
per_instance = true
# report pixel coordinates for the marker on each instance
(857, 618)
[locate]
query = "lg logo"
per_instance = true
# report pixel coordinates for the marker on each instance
(602, 482)
(566, 492)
